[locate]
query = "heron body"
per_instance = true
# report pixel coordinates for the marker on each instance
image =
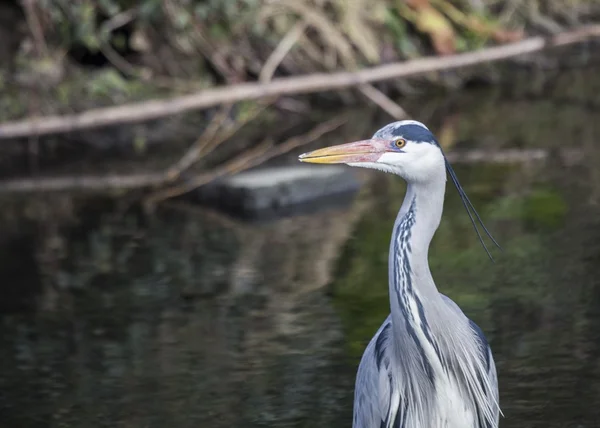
(428, 365)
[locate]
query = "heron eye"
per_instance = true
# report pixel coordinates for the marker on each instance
(400, 142)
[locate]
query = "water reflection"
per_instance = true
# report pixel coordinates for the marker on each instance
(188, 319)
(185, 320)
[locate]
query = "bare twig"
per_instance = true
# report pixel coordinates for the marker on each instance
(282, 49)
(383, 101)
(90, 183)
(236, 164)
(330, 34)
(536, 17)
(211, 139)
(199, 146)
(292, 85)
(118, 61)
(119, 20)
(256, 156)
(116, 182)
(35, 27)
(40, 50)
(309, 137)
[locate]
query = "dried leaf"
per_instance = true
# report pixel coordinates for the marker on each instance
(430, 21)
(478, 25)
(507, 36)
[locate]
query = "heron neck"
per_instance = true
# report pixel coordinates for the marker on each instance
(417, 221)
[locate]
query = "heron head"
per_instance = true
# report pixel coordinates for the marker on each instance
(406, 148)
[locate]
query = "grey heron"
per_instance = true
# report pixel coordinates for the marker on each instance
(428, 365)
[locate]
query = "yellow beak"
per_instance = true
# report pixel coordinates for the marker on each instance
(359, 151)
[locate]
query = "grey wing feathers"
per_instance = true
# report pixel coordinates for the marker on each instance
(377, 400)
(375, 405)
(486, 355)
(489, 361)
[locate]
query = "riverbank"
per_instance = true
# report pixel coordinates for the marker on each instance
(64, 57)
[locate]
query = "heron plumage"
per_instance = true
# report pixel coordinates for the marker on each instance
(428, 365)
(381, 398)
(432, 365)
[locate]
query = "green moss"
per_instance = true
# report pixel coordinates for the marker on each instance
(545, 208)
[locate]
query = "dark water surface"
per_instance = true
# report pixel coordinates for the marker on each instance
(188, 319)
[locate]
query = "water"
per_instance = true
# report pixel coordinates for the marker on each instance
(190, 319)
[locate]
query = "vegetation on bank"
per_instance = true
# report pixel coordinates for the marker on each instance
(111, 51)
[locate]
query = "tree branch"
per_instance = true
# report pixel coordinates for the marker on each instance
(282, 49)
(383, 101)
(247, 159)
(285, 86)
(120, 182)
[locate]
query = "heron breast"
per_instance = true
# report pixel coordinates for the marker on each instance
(452, 410)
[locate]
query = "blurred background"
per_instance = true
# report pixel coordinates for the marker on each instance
(167, 262)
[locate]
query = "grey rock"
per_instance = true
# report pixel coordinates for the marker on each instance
(278, 191)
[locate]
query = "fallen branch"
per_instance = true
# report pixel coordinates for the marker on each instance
(233, 166)
(256, 156)
(117, 182)
(90, 183)
(215, 134)
(285, 86)
(383, 101)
